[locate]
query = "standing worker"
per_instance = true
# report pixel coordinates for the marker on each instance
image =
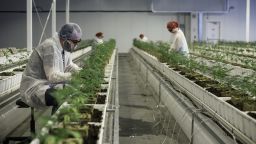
(99, 38)
(179, 43)
(49, 64)
(143, 38)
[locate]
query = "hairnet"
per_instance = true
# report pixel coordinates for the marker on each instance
(99, 34)
(141, 35)
(71, 31)
(172, 25)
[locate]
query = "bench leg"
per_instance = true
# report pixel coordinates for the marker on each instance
(32, 122)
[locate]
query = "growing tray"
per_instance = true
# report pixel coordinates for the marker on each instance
(243, 123)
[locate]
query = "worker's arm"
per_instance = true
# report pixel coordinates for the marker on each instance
(173, 46)
(51, 64)
(71, 67)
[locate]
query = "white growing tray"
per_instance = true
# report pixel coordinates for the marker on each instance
(102, 107)
(12, 83)
(243, 123)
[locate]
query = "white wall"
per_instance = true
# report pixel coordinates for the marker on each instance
(124, 26)
(232, 24)
(13, 29)
(121, 26)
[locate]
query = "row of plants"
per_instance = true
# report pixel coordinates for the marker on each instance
(231, 50)
(12, 73)
(85, 43)
(226, 57)
(244, 50)
(10, 51)
(11, 57)
(215, 79)
(11, 65)
(229, 44)
(242, 44)
(79, 122)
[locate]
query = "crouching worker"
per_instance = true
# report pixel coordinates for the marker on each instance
(50, 66)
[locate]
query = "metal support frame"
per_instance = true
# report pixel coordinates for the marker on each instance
(24, 139)
(116, 103)
(178, 97)
(29, 26)
(224, 124)
(192, 125)
(200, 26)
(247, 28)
(159, 93)
(67, 10)
(53, 17)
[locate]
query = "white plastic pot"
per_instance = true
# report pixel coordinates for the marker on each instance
(9, 84)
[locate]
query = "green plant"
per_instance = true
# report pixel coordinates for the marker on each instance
(245, 85)
(85, 43)
(219, 72)
(83, 86)
(60, 135)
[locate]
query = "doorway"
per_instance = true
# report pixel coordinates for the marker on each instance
(212, 31)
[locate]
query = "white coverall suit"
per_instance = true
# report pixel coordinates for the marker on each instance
(46, 65)
(144, 39)
(179, 43)
(99, 40)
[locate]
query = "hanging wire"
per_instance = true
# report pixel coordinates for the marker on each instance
(46, 22)
(38, 16)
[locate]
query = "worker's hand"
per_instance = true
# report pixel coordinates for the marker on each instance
(79, 69)
(56, 77)
(72, 68)
(67, 76)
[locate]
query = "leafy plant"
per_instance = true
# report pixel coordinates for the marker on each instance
(83, 85)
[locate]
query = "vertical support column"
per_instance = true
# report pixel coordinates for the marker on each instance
(247, 29)
(200, 26)
(67, 10)
(53, 17)
(187, 22)
(29, 26)
(194, 27)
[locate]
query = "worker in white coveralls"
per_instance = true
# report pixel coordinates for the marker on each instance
(143, 38)
(99, 38)
(179, 43)
(50, 66)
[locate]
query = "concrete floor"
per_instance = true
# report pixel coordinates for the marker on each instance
(141, 122)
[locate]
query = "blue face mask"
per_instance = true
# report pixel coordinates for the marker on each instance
(69, 46)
